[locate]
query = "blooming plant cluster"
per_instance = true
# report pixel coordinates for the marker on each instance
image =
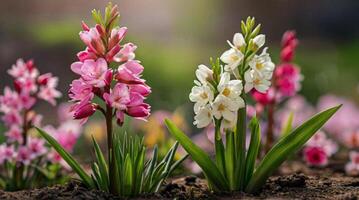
(318, 150)
(121, 91)
(220, 96)
(23, 155)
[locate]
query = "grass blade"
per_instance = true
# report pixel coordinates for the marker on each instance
(286, 147)
(253, 148)
(287, 127)
(200, 157)
(102, 166)
(86, 179)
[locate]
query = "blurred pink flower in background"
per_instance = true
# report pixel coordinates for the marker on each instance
(352, 167)
(345, 120)
(315, 156)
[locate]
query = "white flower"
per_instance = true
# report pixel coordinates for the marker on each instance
(263, 64)
(201, 95)
(231, 89)
(225, 107)
(229, 124)
(203, 117)
(238, 41)
(204, 74)
(254, 80)
(232, 58)
(259, 41)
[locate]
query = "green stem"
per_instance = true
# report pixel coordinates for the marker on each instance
(109, 112)
(219, 147)
(241, 146)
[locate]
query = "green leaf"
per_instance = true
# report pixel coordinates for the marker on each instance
(86, 179)
(199, 156)
(229, 159)
(288, 125)
(128, 176)
(253, 148)
(287, 146)
(103, 169)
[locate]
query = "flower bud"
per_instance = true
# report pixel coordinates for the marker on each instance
(85, 111)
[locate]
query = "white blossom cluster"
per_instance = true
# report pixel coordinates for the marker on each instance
(223, 100)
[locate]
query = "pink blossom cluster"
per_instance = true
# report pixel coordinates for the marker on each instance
(121, 88)
(318, 150)
(352, 167)
(18, 114)
(286, 76)
(34, 148)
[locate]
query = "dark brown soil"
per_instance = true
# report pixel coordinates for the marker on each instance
(318, 184)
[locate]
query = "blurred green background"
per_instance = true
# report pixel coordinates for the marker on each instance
(174, 37)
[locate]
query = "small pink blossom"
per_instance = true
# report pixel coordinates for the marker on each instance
(11, 118)
(49, 94)
(23, 155)
(352, 167)
(14, 134)
(80, 90)
(130, 73)
(92, 72)
(351, 138)
(92, 39)
(119, 97)
(117, 34)
(86, 55)
(315, 156)
(9, 101)
(263, 98)
(288, 79)
(126, 53)
(37, 147)
(6, 153)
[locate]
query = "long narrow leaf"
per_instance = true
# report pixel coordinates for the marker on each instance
(86, 179)
(253, 148)
(199, 156)
(287, 127)
(103, 169)
(229, 159)
(286, 147)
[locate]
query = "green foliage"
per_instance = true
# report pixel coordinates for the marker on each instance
(255, 176)
(133, 174)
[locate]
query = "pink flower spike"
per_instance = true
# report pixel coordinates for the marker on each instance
(315, 156)
(289, 38)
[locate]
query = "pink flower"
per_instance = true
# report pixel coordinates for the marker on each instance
(22, 69)
(117, 34)
(83, 110)
(136, 108)
(23, 155)
(126, 53)
(119, 97)
(49, 94)
(263, 98)
(14, 134)
(27, 101)
(92, 38)
(36, 146)
(6, 153)
(10, 100)
(346, 119)
(87, 54)
(315, 156)
(322, 141)
(142, 89)
(11, 118)
(92, 72)
(80, 90)
(130, 73)
(289, 39)
(288, 79)
(352, 167)
(351, 138)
